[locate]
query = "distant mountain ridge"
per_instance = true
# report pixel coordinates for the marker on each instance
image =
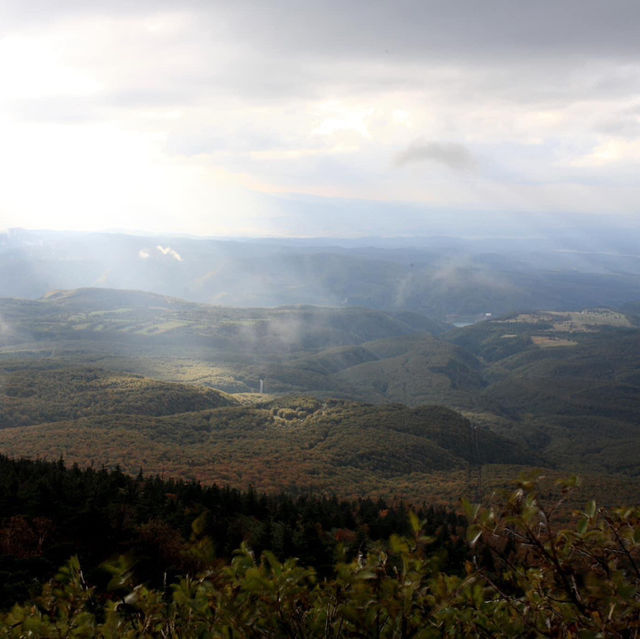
(445, 278)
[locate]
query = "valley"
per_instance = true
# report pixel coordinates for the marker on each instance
(355, 402)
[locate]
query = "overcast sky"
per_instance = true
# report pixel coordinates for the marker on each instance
(229, 118)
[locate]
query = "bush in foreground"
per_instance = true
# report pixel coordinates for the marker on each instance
(525, 577)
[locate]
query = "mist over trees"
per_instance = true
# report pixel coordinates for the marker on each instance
(449, 277)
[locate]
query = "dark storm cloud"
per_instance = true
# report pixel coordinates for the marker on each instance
(384, 28)
(532, 51)
(422, 28)
(538, 51)
(455, 156)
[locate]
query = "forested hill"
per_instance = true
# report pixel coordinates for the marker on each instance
(563, 385)
(152, 559)
(168, 527)
(135, 319)
(51, 393)
(94, 417)
(442, 276)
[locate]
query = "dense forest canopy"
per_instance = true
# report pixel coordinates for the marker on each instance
(512, 568)
(142, 380)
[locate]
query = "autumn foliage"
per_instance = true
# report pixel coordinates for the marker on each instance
(529, 569)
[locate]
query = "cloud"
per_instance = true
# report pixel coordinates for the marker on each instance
(378, 27)
(625, 123)
(167, 250)
(612, 151)
(455, 156)
(136, 110)
(143, 254)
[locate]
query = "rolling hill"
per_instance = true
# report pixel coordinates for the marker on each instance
(449, 278)
(338, 445)
(122, 377)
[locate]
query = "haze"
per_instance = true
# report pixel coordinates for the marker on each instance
(306, 119)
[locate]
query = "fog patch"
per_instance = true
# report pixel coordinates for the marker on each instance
(464, 274)
(104, 279)
(5, 329)
(405, 290)
(284, 334)
(167, 250)
(6, 335)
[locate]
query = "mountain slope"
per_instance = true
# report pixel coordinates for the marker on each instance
(444, 277)
(32, 396)
(346, 447)
(563, 384)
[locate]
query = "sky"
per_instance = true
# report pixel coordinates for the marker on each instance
(304, 118)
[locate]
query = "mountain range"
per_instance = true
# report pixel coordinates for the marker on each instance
(455, 279)
(354, 401)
